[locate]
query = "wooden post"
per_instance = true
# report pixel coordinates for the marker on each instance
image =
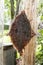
(30, 8)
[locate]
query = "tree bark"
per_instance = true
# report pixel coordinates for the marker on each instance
(30, 8)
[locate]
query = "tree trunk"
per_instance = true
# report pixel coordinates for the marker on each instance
(17, 8)
(30, 8)
(12, 8)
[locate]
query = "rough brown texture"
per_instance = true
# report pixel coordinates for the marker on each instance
(21, 31)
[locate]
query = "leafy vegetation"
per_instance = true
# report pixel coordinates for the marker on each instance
(39, 50)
